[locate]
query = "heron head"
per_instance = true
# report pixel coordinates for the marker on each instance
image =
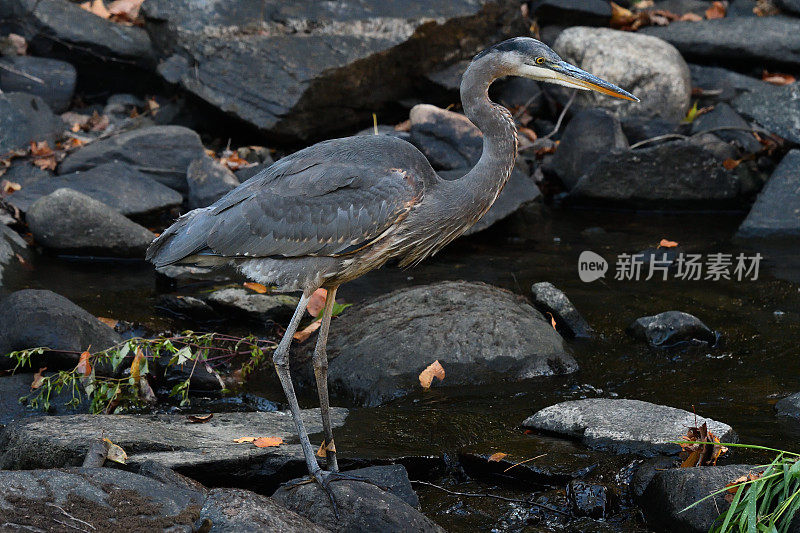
(529, 58)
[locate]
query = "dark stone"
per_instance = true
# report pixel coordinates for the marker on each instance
(203, 378)
(736, 41)
(515, 92)
(58, 79)
(590, 134)
(572, 12)
(792, 6)
(589, 499)
(723, 116)
(24, 119)
(673, 174)
(186, 307)
(671, 491)
(776, 212)
(167, 476)
(449, 140)
(48, 24)
(623, 426)
(13, 388)
(117, 185)
(377, 350)
(239, 510)
(647, 469)
(449, 77)
(672, 328)
(637, 128)
(160, 152)
(106, 498)
(315, 69)
(205, 452)
(69, 222)
(729, 84)
(208, 181)
(789, 406)
(548, 299)
(24, 173)
(362, 506)
(11, 246)
(256, 307)
(32, 318)
(720, 149)
(776, 109)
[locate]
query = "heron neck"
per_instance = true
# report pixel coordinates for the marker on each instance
(484, 182)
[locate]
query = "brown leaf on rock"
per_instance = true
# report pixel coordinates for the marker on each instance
(776, 78)
(730, 164)
(434, 370)
(116, 453)
(129, 9)
(690, 17)
(716, 10)
(97, 7)
(667, 244)
(84, 366)
(325, 448)
(267, 442)
(110, 322)
(38, 378)
(19, 43)
(317, 302)
(255, 287)
(552, 320)
(42, 155)
(136, 365)
(733, 486)
(234, 162)
(8, 187)
(702, 447)
(497, 457)
(306, 332)
(199, 419)
(242, 440)
(765, 8)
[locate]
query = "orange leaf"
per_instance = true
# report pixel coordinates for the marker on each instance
(255, 287)
(552, 320)
(667, 244)
(776, 78)
(8, 187)
(136, 365)
(84, 366)
(41, 149)
(241, 440)
(126, 8)
(267, 442)
(621, 16)
(96, 7)
(496, 457)
(730, 164)
(110, 322)
(306, 332)
(325, 448)
(692, 460)
(435, 370)
(317, 302)
(199, 419)
(690, 17)
(38, 378)
(716, 11)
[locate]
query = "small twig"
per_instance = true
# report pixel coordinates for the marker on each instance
(562, 115)
(12, 70)
(679, 136)
(487, 495)
(69, 515)
(526, 460)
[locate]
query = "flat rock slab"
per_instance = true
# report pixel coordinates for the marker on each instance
(477, 332)
(25, 118)
(672, 329)
(776, 212)
(253, 306)
(777, 109)
(623, 426)
(94, 499)
(57, 79)
(205, 452)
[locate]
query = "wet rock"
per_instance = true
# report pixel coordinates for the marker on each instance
(16, 386)
(590, 135)
(204, 452)
(791, 6)
(69, 222)
(712, 144)
(723, 116)
(673, 174)
(623, 426)
(12, 248)
(548, 299)
(735, 41)
(590, 499)
(650, 68)
(362, 506)
(186, 307)
(672, 328)
(377, 350)
(727, 83)
(105, 498)
(117, 185)
(239, 510)
(208, 181)
(638, 129)
(160, 152)
(56, 26)
(25, 118)
(31, 318)
(297, 91)
(789, 406)
(449, 140)
(24, 173)
(671, 491)
(165, 475)
(256, 307)
(776, 212)
(58, 79)
(572, 12)
(777, 109)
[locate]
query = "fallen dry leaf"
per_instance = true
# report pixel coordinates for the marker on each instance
(434, 370)
(496, 457)
(776, 78)
(136, 365)
(267, 442)
(125, 8)
(9, 187)
(199, 419)
(234, 162)
(716, 10)
(38, 378)
(552, 320)
(19, 43)
(306, 332)
(702, 448)
(730, 164)
(116, 453)
(97, 7)
(765, 8)
(317, 302)
(325, 448)
(690, 17)
(84, 366)
(403, 126)
(667, 244)
(255, 287)
(110, 322)
(242, 440)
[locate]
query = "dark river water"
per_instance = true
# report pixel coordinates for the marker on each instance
(738, 382)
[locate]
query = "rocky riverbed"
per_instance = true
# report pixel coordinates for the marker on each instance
(565, 386)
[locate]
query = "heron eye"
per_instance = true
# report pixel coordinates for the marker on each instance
(539, 60)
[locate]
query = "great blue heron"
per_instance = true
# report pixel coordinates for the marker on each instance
(340, 208)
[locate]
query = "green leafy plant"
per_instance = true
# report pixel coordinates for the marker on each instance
(128, 385)
(764, 501)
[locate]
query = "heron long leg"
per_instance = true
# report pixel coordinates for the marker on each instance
(281, 360)
(321, 373)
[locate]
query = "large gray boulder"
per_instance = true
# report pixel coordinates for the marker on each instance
(648, 67)
(317, 68)
(776, 212)
(160, 152)
(66, 221)
(205, 452)
(735, 41)
(776, 109)
(377, 350)
(117, 185)
(24, 119)
(242, 511)
(57, 79)
(623, 426)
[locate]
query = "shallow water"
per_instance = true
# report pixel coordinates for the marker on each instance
(737, 382)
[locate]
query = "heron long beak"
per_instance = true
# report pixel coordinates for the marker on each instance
(572, 76)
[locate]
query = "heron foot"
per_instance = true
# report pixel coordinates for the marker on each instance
(325, 478)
